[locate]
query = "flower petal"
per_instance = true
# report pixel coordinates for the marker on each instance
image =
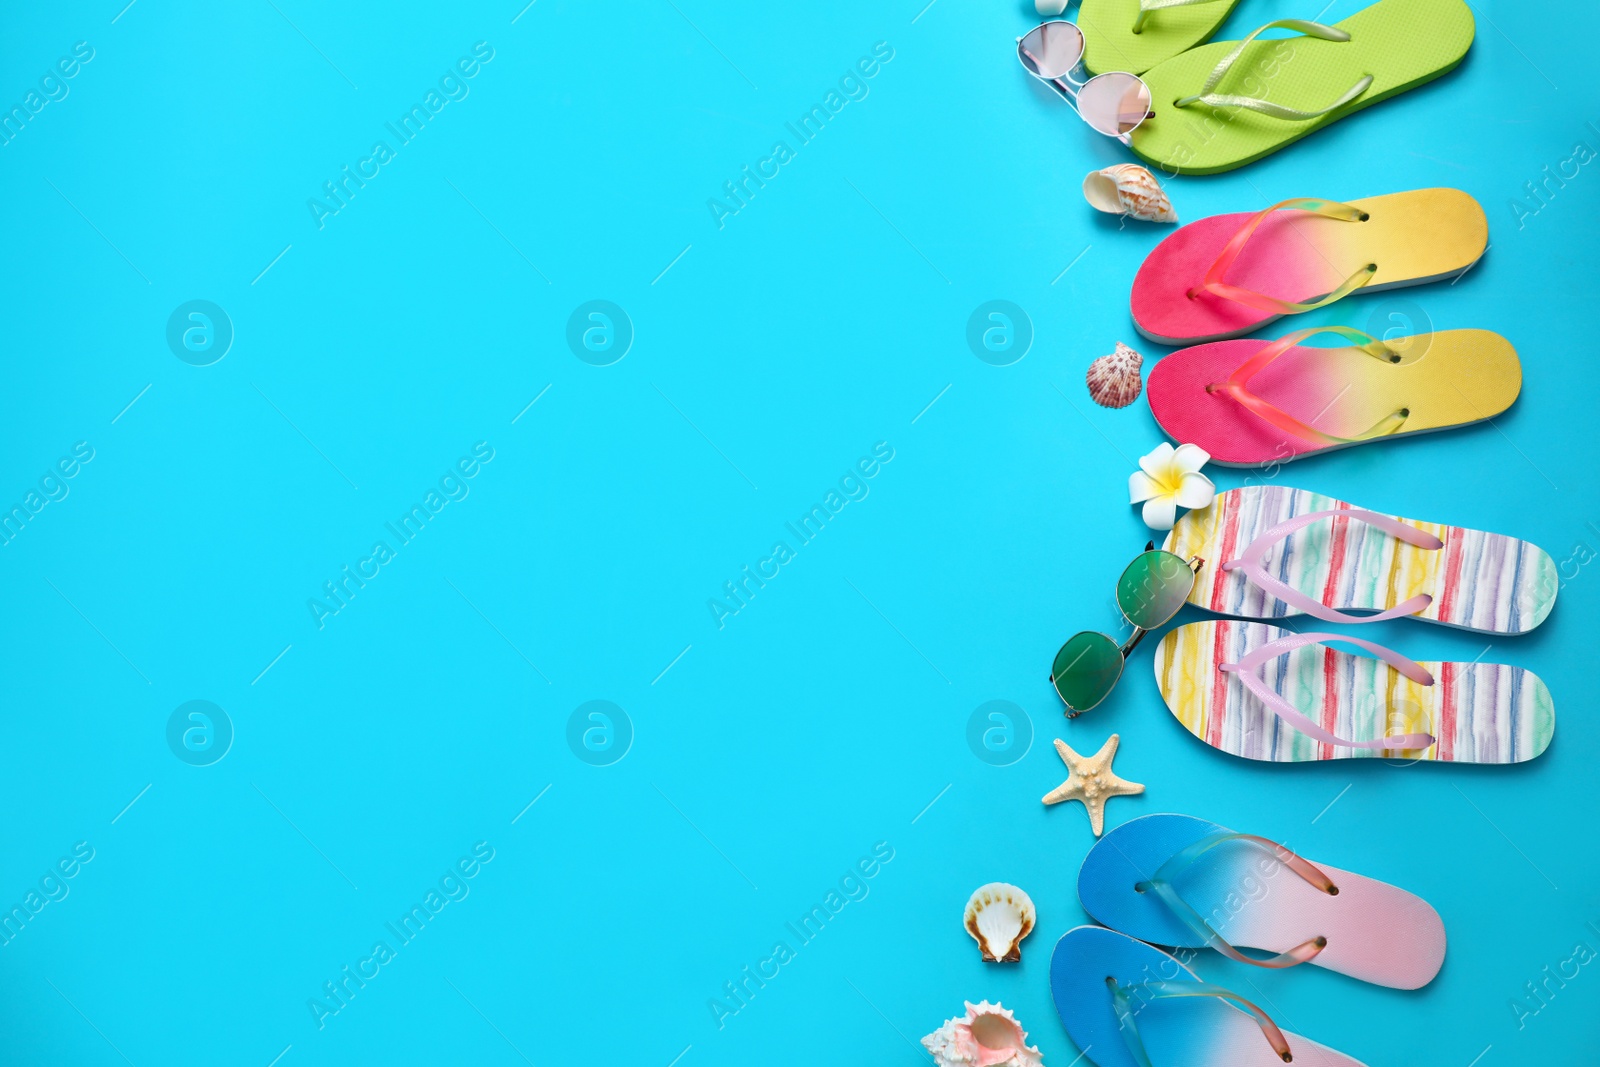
(1160, 512)
(1190, 458)
(1157, 460)
(1142, 487)
(1195, 491)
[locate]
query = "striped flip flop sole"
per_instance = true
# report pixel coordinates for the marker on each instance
(1479, 581)
(1479, 712)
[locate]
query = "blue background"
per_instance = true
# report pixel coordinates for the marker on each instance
(770, 354)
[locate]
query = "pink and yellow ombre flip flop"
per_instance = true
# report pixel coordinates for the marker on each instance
(1128, 1004)
(1274, 551)
(1265, 693)
(1187, 883)
(1257, 403)
(1225, 275)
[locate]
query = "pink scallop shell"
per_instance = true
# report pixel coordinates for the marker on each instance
(1114, 380)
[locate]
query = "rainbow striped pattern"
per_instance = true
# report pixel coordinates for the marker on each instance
(1479, 581)
(1479, 712)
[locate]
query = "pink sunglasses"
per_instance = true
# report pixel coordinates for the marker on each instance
(1113, 103)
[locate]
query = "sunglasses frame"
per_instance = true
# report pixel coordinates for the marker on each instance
(1071, 87)
(1125, 648)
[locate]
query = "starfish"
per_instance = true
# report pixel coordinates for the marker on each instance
(1090, 780)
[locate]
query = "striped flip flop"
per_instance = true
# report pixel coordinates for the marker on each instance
(1274, 551)
(1265, 693)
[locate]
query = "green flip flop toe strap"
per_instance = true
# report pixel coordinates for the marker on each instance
(1221, 106)
(1207, 96)
(1136, 35)
(1148, 6)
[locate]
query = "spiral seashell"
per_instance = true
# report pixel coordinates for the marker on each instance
(1114, 379)
(1128, 189)
(985, 1035)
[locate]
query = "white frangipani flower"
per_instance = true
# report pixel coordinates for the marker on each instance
(1168, 479)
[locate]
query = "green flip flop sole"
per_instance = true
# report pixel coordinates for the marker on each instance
(1112, 44)
(1399, 44)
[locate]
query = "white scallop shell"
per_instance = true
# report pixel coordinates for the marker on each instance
(1114, 380)
(1128, 189)
(988, 1035)
(998, 917)
(1049, 8)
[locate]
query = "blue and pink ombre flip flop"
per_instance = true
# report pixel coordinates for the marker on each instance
(1126, 1004)
(1185, 882)
(1188, 883)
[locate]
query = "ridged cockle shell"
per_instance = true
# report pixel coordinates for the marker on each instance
(1114, 379)
(1128, 189)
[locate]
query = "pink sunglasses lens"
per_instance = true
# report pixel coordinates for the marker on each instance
(1114, 103)
(1051, 50)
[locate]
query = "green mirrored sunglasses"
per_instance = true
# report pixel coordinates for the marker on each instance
(1151, 590)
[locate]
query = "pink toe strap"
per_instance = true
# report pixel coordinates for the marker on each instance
(1248, 672)
(1250, 563)
(1216, 285)
(1235, 386)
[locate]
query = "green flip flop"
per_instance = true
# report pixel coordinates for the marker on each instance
(1135, 35)
(1223, 105)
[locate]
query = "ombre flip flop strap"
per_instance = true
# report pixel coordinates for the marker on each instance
(1214, 277)
(1124, 996)
(1234, 387)
(1161, 883)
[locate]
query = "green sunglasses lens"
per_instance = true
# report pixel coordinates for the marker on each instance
(1086, 669)
(1153, 588)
